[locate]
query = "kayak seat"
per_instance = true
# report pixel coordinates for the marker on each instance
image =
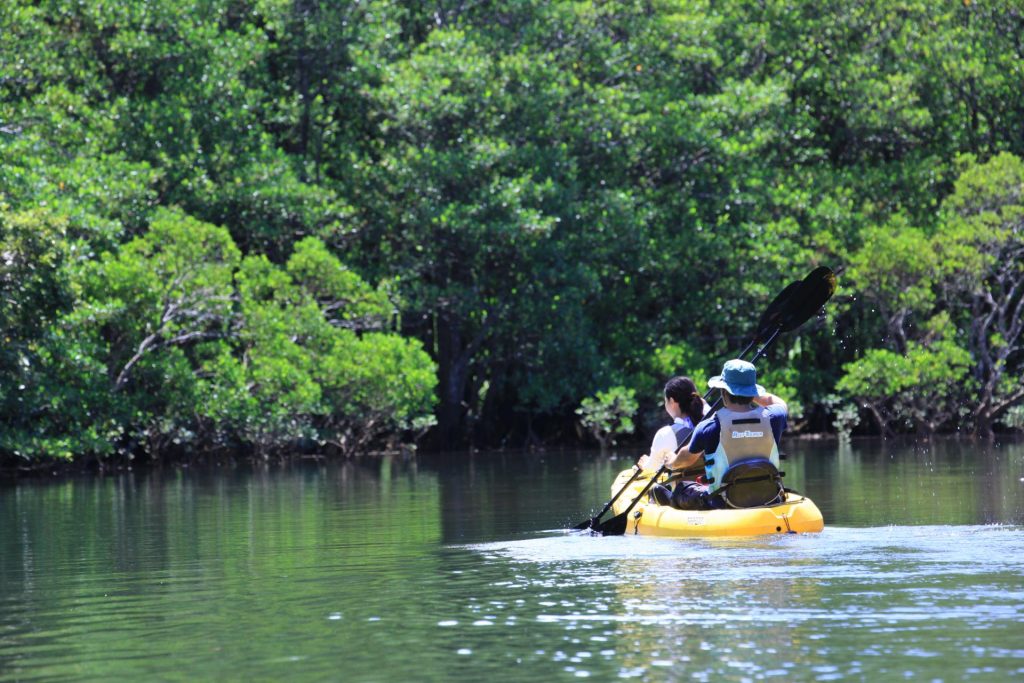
(751, 483)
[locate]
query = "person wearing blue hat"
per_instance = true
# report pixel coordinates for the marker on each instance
(746, 431)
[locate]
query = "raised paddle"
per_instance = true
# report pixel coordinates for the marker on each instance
(811, 295)
(790, 309)
(769, 319)
(794, 305)
(797, 303)
(804, 300)
(807, 298)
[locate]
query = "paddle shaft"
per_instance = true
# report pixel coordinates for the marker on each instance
(589, 524)
(625, 513)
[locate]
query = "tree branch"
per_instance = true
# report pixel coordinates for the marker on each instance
(144, 347)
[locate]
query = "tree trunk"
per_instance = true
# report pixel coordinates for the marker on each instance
(455, 356)
(983, 421)
(453, 370)
(883, 425)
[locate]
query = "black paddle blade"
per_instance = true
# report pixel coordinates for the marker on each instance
(808, 297)
(779, 307)
(592, 522)
(616, 526)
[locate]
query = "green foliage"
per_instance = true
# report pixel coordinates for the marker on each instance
(177, 341)
(923, 389)
(982, 242)
(339, 291)
(968, 276)
(897, 269)
(549, 198)
(679, 358)
(34, 291)
(1014, 418)
(33, 284)
(608, 414)
(846, 415)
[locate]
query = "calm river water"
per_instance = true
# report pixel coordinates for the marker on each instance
(458, 568)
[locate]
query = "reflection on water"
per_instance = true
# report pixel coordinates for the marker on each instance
(944, 481)
(458, 568)
(945, 602)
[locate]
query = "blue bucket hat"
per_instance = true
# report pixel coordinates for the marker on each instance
(739, 378)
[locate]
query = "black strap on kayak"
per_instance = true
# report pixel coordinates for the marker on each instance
(688, 472)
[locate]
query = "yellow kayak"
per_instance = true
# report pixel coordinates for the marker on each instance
(798, 514)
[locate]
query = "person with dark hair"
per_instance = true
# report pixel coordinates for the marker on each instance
(686, 408)
(740, 446)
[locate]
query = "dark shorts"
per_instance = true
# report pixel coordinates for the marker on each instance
(687, 495)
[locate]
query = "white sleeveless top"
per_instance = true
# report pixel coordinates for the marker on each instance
(663, 447)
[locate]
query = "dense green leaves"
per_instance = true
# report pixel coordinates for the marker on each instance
(178, 342)
(924, 388)
(246, 223)
(608, 414)
(968, 276)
